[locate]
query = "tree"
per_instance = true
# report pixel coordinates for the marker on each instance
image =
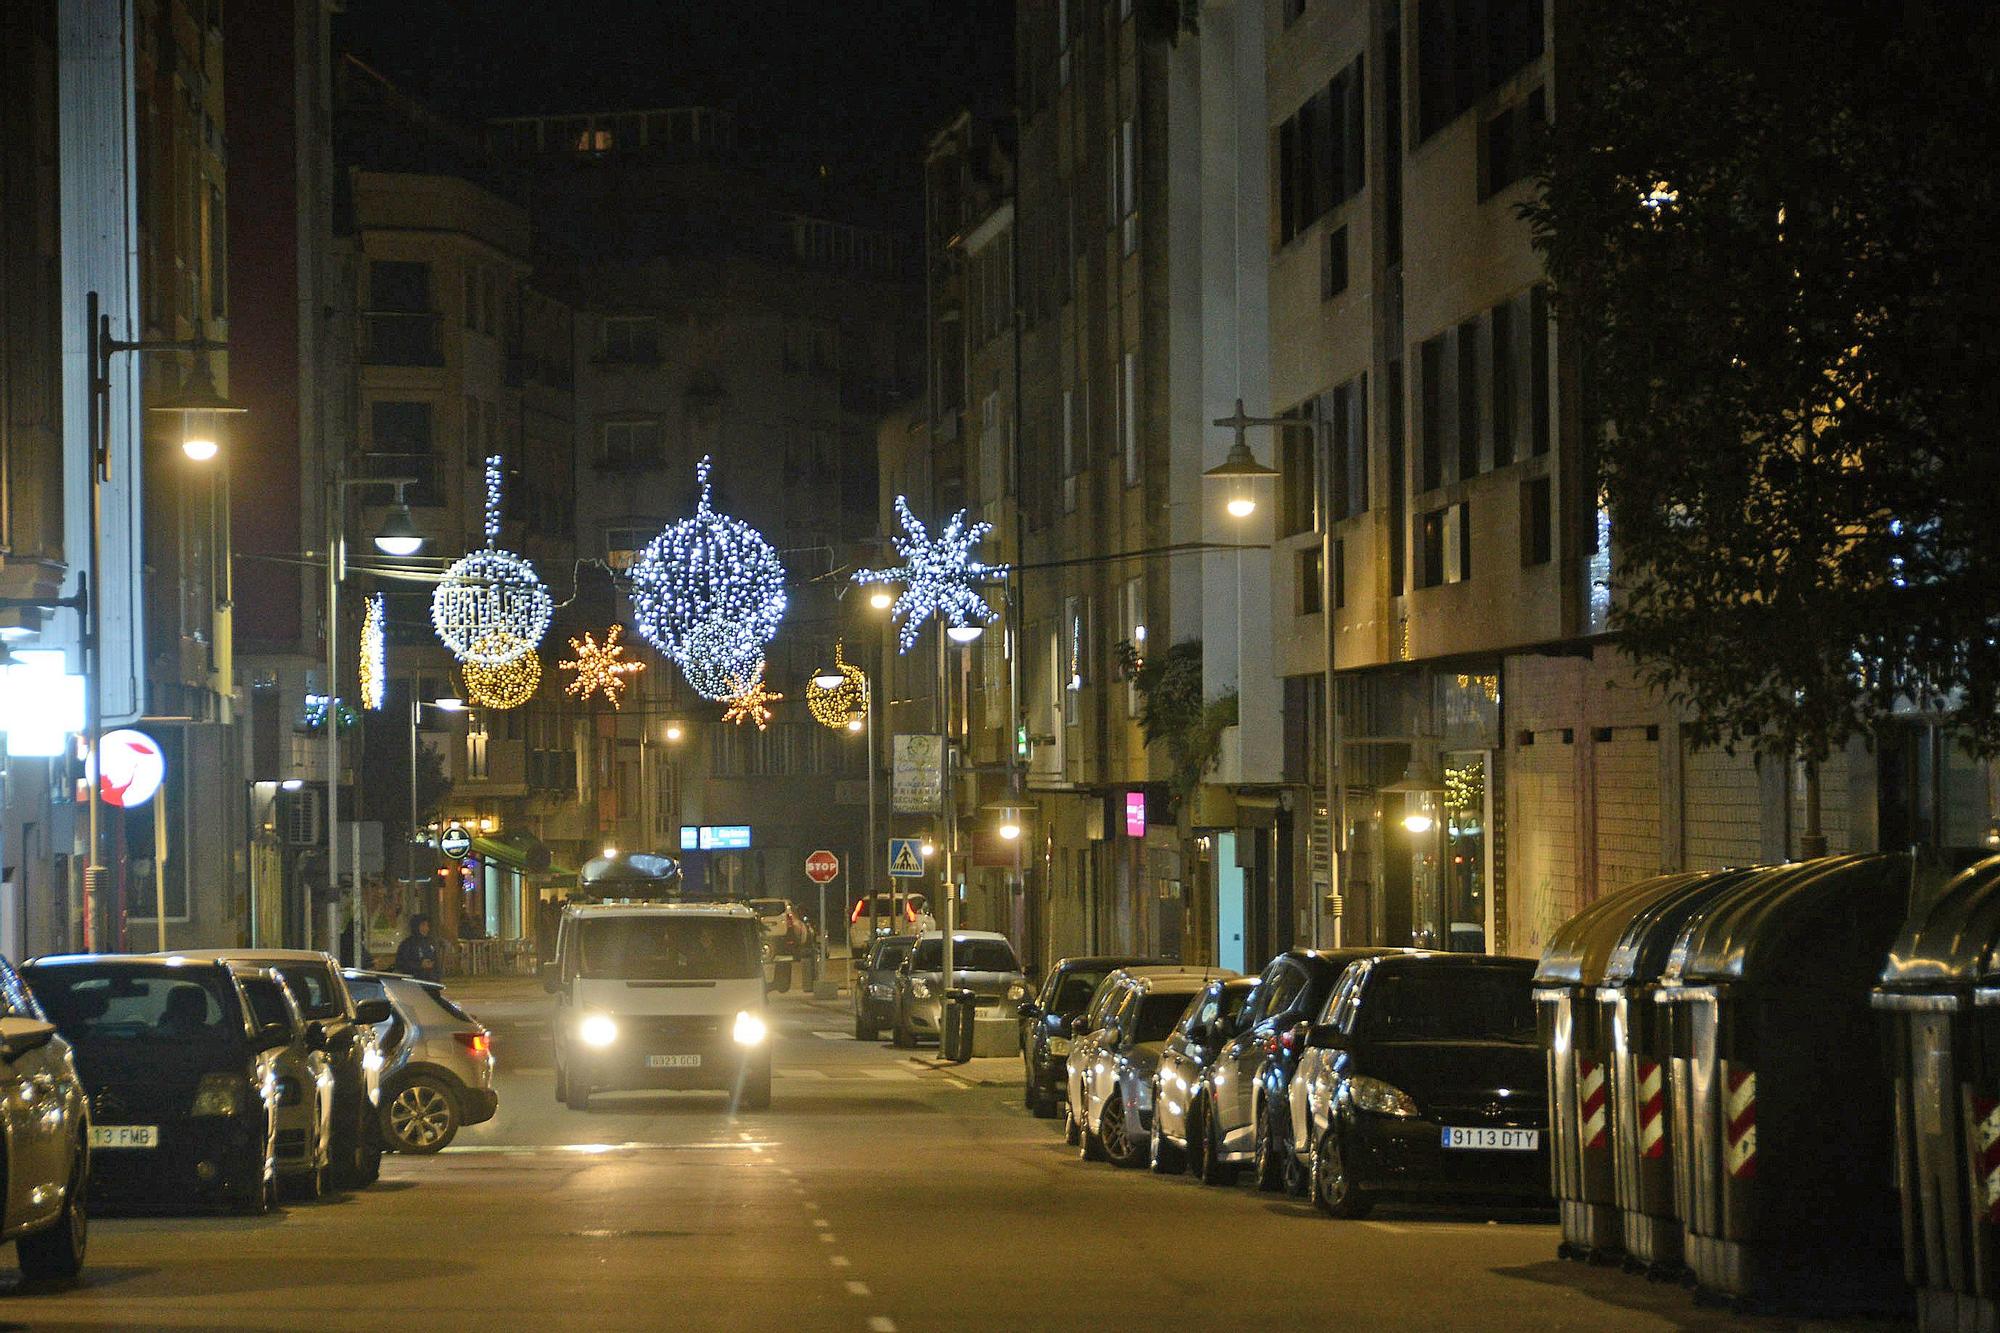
(1771, 225)
(1173, 713)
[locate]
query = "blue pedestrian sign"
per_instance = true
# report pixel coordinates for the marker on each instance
(905, 860)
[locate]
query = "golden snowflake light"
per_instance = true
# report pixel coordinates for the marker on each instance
(374, 653)
(751, 702)
(600, 667)
(506, 683)
(838, 706)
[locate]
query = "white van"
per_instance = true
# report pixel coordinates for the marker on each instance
(659, 995)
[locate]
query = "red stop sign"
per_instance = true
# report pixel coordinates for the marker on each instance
(822, 866)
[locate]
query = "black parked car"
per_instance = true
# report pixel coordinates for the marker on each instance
(1045, 1024)
(1424, 1077)
(874, 984)
(182, 1081)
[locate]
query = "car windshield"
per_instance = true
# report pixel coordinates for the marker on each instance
(1159, 1014)
(311, 985)
(667, 948)
(770, 906)
(105, 1004)
(1448, 1004)
(889, 955)
(966, 956)
(1074, 991)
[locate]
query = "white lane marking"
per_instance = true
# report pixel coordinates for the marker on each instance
(838, 1260)
(833, 1036)
(858, 1289)
(827, 1238)
(599, 1149)
(881, 1323)
(821, 1223)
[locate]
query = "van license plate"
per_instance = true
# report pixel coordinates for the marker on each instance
(124, 1136)
(673, 1062)
(1506, 1140)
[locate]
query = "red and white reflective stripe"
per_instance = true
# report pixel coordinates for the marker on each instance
(1986, 1135)
(1652, 1111)
(1590, 1097)
(1739, 1114)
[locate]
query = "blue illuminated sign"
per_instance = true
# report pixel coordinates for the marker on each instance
(715, 837)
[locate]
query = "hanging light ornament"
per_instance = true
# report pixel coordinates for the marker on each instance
(708, 592)
(599, 667)
(751, 702)
(837, 706)
(939, 577)
(505, 684)
(374, 653)
(491, 599)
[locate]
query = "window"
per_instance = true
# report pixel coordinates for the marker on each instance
(1500, 382)
(475, 747)
(399, 285)
(1128, 413)
(1134, 633)
(1128, 184)
(1466, 49)
(1333, 265)
(1298, 471)
(1430, 410)
(1506, 142)
(1339, 574)
(632, 340)
(1538, 370)
(1345, 419)
(1311, 565)
(1445, 546)
(630, 444)
(1537, 522)
(1063, 36)
(218, 256)
(1320, 153)
(400, 428)
(1465, 399)
(622, 545)
(1069, 451)
(1398, 481)
(401, 328)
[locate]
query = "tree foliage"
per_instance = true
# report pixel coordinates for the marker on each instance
(1772, 225)
(1173, 713)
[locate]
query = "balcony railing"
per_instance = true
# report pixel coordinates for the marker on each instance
(403, 338)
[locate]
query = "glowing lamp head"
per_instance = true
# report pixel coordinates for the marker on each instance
(449, 705)
(399, 535)
(881, 600)
(964, 633)
(1418, 822)
(829, 680)
(855, 723)
(610, 852)
(200, 447)
(928, 848)
(674, 732)
(1010, 830)
(292, 784)
(1241, 506)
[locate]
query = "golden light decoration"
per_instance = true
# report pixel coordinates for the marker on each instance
(374, 653)
(837, 706)
(752, 702)
(600, 667)
(507, 683)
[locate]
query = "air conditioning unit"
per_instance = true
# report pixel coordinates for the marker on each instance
(302, 817)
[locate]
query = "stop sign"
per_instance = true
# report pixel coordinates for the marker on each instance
(822, 866)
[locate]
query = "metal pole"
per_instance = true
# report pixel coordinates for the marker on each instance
(873, 880)
(354, 912)
(949, 792)
(334, 552)
(160, 868)
(96, 335)
(410, 842)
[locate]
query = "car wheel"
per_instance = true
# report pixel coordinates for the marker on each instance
(55, 1253)
(422, 1116)
(1089, 1147)
(576, 1093)
(757, 1090)
(1072, 1132)
(1214, 1171)
(1114, 1131)
(865, 1031)
(1162, 1156)
(904, 1035)
(1332, 1188)
(1269, 1168)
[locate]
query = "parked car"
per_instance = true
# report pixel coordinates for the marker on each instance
(345, 1030)
(182, 1082)
(1242, 1089)
(983, 962)
(1423, 1076)
(874, 984)
(305, 1084)
(1117, 1111)
(887, 914)
(783, 930)
(437, 1062)
(45, 1134)
(1203, 1031)
(1045, 1021)
(1087, 1030)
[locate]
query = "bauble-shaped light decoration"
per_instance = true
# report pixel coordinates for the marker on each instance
(505, 684)
(600, 668)
(751, 702)
(719, 660)
(710, 576)
(490, 597)
(836, 706)
(939, 576)
(374, 652)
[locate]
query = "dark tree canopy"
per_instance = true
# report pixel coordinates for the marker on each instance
(1774, 225)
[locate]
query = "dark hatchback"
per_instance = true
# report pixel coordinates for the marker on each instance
(1045, 1024)
(182, 1082)
(1425, 1078)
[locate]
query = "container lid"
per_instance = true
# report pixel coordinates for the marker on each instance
(1954, 941)
(1641, 953)
(1576, 954)
(1820, 925)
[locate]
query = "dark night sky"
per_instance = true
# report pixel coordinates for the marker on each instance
(859, 84)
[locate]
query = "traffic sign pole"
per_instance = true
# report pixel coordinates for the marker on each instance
(821, 868)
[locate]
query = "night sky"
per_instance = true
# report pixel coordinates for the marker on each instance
(856, 84)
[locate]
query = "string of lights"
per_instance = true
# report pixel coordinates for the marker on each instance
(490, 600)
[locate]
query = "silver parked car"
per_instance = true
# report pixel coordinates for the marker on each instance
(1117, 1110)
(1208, 1024)
(437, 1072)
(982, 962)
(43, 1203)
(1089, 1033)
(305, 1083)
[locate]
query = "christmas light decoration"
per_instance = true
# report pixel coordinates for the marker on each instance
(599, 667)
(490, 596)
(708, 591)
(939, 575)
(751, 702)
(313, 715)
(374, 653)
(718, 657)
(507, 683)
(836, 706)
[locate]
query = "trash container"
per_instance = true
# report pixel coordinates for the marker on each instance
(1577, 1042)
(1938, 990)
(955, 1038)
(1790, 1149)
(1642, 1157)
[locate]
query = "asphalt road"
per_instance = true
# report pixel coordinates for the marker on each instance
(879, 1193)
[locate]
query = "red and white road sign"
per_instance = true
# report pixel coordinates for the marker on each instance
(822, 866)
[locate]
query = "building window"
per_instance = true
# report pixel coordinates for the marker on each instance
(1430, 412)
(1128, 185)
(1310, 568)
(1339, 575)
(1344, 418)
(1506, 142)
(402, 329)
(1537, 523)
(1298, 471)
(622, 545)
(1128, 411)
(1500, 382)
(218, 256)
(1135, 634)
(1538, 370)
(1064, 33)
(1333, 265)
(1398, 480)
(1320, 153)
(475, 747)
(1444, 540)
(632, 340)
(1466, 49)
(1465, 399)
(629, 444)
(399, 445)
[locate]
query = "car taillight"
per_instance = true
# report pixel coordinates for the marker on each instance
(1271, 1044)
(855, 915)
(476, 1044)
(910, 911)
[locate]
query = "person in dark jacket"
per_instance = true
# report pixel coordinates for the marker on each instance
(417, 955)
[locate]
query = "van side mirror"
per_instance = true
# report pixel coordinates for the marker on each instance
(551, 978)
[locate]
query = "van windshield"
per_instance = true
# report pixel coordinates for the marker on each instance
(667, 948)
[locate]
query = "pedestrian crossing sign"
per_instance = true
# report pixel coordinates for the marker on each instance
(905, 861)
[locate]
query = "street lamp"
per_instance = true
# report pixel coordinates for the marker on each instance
(881, 599)
(1240, 469)
(398, 535)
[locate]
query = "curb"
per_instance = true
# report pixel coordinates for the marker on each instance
(950, 1071)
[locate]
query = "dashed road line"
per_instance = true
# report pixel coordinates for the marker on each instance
(858, 1289)
(838, 1261)
(881, 1323)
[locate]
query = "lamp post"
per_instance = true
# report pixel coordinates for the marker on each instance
(962, 636)
(417, 706)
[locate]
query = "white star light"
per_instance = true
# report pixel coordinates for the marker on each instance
(939, 575)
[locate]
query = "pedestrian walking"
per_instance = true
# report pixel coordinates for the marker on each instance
(417, 955)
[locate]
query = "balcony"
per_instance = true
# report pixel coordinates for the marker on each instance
(401, 338)
(552, 771)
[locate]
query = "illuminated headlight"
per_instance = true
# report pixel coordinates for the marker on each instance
(597, 1030)
(219, 1094)
(879, 991)
(1017, 992)
(920, 988)
(1373, 1095)
(750, 1029)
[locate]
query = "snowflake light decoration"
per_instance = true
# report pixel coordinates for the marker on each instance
(705, 572)
(374, 653)
(751, 702)
(490, 596)
(939, 575)
(505, 684)
(835, 706)
(719, 656)
(600, 667)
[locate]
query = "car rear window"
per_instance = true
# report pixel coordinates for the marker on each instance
(966, 956)
(444, 1002)
(668, 948)
(1448, 1004)
(1074, 991)
(1160, 1014)
(122, 1005)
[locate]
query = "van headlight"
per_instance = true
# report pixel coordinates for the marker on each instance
(597, 1030)
(218, 1094)
(750, 1029)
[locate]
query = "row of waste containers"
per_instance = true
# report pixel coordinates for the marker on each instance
(1782, 1085)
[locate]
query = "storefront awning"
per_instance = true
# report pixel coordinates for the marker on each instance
(521, 851)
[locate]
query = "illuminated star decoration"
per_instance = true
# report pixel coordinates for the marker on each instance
(752, 702)
(939, 575)
(374, 653)
(600, 667)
